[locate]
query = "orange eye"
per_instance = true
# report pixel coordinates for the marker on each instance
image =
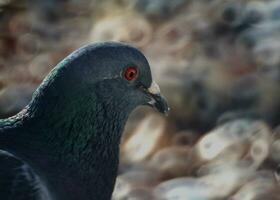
(130, 73)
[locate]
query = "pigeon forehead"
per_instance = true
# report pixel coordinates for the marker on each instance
(113, 57)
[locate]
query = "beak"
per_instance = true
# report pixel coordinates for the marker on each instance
(157, 100)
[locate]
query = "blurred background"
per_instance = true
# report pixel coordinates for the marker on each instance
(218, 64)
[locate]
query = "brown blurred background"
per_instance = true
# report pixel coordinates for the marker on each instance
(218, 64)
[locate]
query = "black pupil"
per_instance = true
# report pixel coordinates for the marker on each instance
(131, 74)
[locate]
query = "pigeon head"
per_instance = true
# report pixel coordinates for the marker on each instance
(116, 74)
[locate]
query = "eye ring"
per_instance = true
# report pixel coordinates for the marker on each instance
(130, 73)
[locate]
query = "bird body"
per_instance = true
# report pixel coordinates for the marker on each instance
(68, 163)
(66, 141)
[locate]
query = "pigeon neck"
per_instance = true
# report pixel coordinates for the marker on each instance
(77, 151)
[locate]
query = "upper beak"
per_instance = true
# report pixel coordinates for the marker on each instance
(157, 100)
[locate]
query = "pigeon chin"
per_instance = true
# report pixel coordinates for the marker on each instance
(157, 101)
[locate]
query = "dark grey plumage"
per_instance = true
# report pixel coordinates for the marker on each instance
(65, 143)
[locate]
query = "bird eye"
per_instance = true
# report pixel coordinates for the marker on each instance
(130, 73)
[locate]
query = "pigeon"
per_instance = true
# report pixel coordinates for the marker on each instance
(64, 145)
